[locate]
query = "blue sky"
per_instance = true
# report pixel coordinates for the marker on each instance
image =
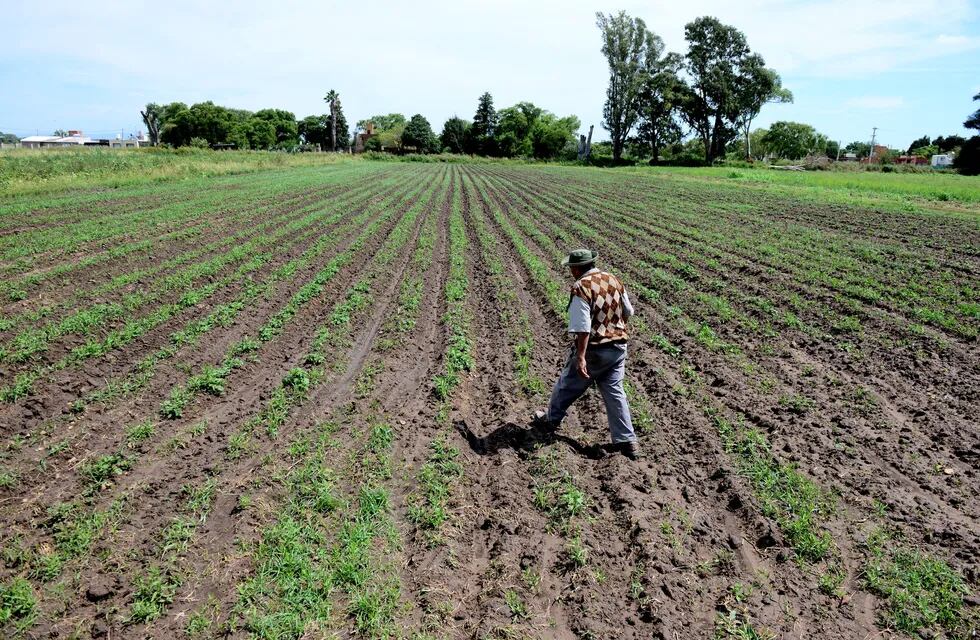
(907, 67)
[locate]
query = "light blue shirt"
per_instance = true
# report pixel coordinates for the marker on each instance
(580, 315)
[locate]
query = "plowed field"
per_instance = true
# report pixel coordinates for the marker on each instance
(294, 404)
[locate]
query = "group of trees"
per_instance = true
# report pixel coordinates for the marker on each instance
(523, 130)
(206, 124)
(8, 138)
(716, 89)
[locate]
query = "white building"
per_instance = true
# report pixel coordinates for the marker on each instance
(74, 138)
(942, 161)
(36, 142)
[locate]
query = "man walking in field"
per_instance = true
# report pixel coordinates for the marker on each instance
(598, 309)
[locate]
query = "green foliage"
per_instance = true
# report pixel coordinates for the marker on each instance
(455, 134)
(419, 136)
(138, 433)
(922, 593)
(18, 604)
(794, 140)
(526, 130)
(629, 47)
(155, 591)
(100, 472)
(427, 508)
(968, 160)
(727, 83)
(786, 495)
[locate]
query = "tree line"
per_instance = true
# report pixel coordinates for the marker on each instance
(206, 124)
(522, 130)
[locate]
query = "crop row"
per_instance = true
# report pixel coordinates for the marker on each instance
(297, 383)
(29, 342)
(860, 275)
(792, 500)
(283, 210)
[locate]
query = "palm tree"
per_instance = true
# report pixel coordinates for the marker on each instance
(331, 98)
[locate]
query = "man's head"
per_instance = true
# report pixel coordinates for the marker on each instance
(580, 261)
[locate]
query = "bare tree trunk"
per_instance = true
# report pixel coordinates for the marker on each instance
(152, 128)
(333, 126)
(748, 140)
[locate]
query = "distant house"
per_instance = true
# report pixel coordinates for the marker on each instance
(73, 139)
(849, 157)
(913, 160)
(132, 142)
(36, 142)
(360, 140)
(942, 161)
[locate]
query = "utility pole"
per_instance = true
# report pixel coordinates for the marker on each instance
(874, 133)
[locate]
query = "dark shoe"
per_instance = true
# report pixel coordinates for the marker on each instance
(540, 420)
(629, 449)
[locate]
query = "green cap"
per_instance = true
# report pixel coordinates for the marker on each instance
(580, 258)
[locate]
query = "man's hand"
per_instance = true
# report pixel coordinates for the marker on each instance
(581, 346)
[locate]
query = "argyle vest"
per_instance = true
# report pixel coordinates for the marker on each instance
(604, 293)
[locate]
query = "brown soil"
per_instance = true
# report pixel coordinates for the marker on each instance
(669, 538)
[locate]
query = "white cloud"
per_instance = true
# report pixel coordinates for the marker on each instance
(877, 102)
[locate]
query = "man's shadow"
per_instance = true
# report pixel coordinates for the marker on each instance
(523, 440)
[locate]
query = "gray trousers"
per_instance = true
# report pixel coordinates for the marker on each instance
(607, 367)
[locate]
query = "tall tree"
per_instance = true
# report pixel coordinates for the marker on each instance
(418, 133)
(514, 126)
(727, 83)
(331, 98)
(660, 95)
(454, 134)
(484, 126)
(629, 48)
(550, 135)
(756, 87)
(153, 119)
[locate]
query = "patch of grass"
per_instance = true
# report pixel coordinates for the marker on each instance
(798, 404)
(138, 433)
(531, 579)
(173, 407)
(561, 501)
(576, 552)
(8, 479)
(18, 605)
(100, 472)
(794, 501)
(518, 610)
(831, 581)
(922, 594)
(155, 591)
(427, 508)
(200, 622)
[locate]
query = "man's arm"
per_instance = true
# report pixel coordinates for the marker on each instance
(580, 325)
(627, 306)
(581, 346)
